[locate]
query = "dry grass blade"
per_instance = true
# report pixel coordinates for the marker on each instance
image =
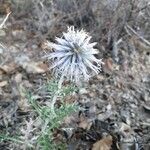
(2, 24)
(135, 33)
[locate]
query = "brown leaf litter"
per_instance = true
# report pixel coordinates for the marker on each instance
(103, 144)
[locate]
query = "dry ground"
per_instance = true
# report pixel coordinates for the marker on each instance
(116, 102)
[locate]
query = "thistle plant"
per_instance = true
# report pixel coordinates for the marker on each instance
(73, 57)
(38, 130)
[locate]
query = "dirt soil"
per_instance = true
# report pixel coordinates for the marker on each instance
(116, 103)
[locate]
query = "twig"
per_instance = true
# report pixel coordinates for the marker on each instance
(115, 49)
(5, 19)
(143, 8)
(2, 46)
(139, 36)
(78, 12)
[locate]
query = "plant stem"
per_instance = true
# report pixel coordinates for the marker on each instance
(56, 95)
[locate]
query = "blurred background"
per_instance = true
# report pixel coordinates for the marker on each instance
(121, 29)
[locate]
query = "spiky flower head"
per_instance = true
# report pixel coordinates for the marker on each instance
(73, 56)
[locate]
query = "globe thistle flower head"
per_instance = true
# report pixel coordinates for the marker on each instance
(73, 56)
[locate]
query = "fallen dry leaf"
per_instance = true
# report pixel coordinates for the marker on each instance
(103, 144)
(127, 140)
(85, 124)
(139, 44)
(3, 83)
(125, 130)
(146, 106)
(109, 64)
(8, 68)
(35, 67)
(69, 119)
(31, 66)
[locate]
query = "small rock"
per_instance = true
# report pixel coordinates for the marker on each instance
(83, 91)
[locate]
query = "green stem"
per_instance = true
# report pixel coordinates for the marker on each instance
(56, 95)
